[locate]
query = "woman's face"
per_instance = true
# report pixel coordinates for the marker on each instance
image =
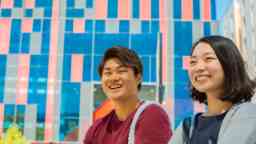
(205, 71)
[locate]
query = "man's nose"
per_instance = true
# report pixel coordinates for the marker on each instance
(115, 76)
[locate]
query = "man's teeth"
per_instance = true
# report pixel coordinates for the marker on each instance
(114, 87)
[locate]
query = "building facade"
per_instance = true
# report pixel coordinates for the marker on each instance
(50, 51)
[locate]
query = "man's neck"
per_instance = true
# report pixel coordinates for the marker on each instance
(124, 108)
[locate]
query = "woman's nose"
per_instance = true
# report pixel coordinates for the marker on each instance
(200, 66)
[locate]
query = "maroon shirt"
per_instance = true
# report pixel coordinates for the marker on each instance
(153, 127)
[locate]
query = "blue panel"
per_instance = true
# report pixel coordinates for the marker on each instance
(37, 25)
(70, 3)
(183, 109)
(2, 76)
(144, 44)
(15, 36)
(38, 89)
(177, 9)
(17, 3)
(43, 3)
(182, 46)
(39, 61)
(75, 13)
(96, 60)
(124, 26)
(181, 76)
(66, 68)
(20, 116)
(67, 125)
(45, 45)
(146, 68)
(38, 85)
(41, 107)
(100, 26)
(135, 8)
(87, 68)
(48, 12)
(6, 13)
(105, 41)
(153, 69)
(70, 107)
(78, 43)
(88, 25)
(155, 8)
(9, 113)
(25, 45)
(46, 25)
(28, 13)
(69, 25)
(70, 99)
(196, 9)
(89, 3)
(145, 26)
(182, 37)
(213, 9)
(207, 29)
(112, 8)
(155, 26)
(21, 109)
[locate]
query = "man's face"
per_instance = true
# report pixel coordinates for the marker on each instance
(118, 81)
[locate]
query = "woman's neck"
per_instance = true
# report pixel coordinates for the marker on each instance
(217, 106)
(124, 108)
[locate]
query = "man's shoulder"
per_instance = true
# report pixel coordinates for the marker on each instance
(102, 120)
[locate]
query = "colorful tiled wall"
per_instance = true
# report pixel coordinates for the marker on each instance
(50, 50)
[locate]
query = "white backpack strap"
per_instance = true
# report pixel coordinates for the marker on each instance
(131, 136)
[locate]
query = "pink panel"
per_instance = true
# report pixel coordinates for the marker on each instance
(164, 30)
(101, 9)
(4, 35)
(206, 10)
(145, 9)
(187, 10)
(164, 56)
(77, 68)
(198, 107)
(52, 73)
(23, 76)
(6, 3)
(1, 118)
(29, 3)
(78, 26)
(162, 9)
(185, 62)
(124, 9)
(27, 25)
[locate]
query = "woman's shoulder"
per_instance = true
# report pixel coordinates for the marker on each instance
(245, 109)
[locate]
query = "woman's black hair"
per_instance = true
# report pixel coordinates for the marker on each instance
(238, 87)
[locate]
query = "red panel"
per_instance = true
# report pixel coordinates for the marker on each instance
(124, 9)
(187, 11)
(145, 9)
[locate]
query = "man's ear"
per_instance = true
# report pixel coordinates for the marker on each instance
(139, 78)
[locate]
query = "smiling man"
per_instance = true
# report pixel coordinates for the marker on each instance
(121, 77)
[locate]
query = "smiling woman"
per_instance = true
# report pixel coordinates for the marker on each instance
(219, 79)
(121, 78)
